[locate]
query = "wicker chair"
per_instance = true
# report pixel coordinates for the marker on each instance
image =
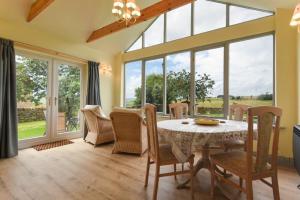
(130, 131)
(99, 126)
(178, 110)
(161, 154)
(247, 166)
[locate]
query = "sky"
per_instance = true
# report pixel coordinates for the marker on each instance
(251, 61)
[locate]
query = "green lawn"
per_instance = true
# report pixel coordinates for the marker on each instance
(28, 130)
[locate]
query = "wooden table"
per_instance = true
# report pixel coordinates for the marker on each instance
(188, 138)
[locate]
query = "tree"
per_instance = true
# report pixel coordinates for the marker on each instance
(31, 80)
(178, 88)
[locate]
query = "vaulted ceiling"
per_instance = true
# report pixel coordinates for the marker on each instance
(75, 20)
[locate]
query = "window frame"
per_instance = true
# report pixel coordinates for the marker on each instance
(193, 51)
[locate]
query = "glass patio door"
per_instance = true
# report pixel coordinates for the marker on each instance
(49, 97)
(67, 100)
(33, 83)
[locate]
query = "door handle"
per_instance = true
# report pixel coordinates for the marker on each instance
(55, 99)
(49, 101)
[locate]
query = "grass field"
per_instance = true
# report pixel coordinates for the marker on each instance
(218, 103)
(28, 130)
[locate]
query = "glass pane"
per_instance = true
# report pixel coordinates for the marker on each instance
(209, 16)
(251, 80)
(209, 68)
(155, 33)
(32, 81)
(68, 99)
(239, 14)
(154, 83)
(179, 23)
(178, 78)
(137, 45)
(133, 83)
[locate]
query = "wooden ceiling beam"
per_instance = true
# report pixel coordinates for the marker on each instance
(146, 14)
(37, 7)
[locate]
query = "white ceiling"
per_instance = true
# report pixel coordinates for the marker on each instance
(74, 20)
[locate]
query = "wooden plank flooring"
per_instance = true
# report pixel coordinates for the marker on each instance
(80, 171)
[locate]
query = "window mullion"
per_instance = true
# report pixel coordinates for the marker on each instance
(226, 80)
(192, 84)
(164, 86)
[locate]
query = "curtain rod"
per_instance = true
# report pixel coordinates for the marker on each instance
(49, 52)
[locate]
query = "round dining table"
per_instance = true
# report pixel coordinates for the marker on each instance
(186, 137)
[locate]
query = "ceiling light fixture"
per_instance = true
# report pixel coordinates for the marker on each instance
(296, 18)
(126, 10)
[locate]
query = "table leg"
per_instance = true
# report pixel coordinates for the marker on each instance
(203, 162)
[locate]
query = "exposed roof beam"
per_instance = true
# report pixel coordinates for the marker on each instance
(37, 7)
(146, 14)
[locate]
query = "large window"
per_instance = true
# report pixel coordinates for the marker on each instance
(155, 33)
(251, 71)
(178, 67)
(138, 44)
(179, 23)
(154, 83)
(133, 84)
(240, 14)
(208, 16)
(209, 82)
(245, 76)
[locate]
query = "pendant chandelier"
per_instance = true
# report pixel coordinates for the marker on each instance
(296, 18)
(126, 11)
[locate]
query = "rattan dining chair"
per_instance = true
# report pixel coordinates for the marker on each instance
(99, 126)
(130, 132)
(161, 154)
(246, 165)
(178, 110)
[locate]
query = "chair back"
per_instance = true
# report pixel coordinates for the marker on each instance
(91, 114)
(153, 145)
(268, 124)
(237, 111)
(178, 110)
(127, 126)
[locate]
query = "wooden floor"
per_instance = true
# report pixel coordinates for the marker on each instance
(80, 171)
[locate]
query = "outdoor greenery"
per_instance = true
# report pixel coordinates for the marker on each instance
(31, 129)
(31, 80)
(178, 87)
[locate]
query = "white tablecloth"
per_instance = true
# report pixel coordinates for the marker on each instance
(188, 138)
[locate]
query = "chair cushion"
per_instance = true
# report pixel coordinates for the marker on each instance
(235, 162)
(96, 109)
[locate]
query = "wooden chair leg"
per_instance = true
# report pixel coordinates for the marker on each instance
(157, 171)
(213, 176)
(249, 189)
(275, 187)
(147, 172)
(175, 172)
(241, 182)
(192, 178)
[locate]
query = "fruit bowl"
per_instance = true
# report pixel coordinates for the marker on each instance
(207, 121)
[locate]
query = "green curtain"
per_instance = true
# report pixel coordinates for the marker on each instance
(8, 104)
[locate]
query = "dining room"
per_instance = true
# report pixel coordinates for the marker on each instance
(157, 99)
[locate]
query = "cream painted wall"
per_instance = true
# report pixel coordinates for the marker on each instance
(26, 34)
(286, 62)
(286, 77)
